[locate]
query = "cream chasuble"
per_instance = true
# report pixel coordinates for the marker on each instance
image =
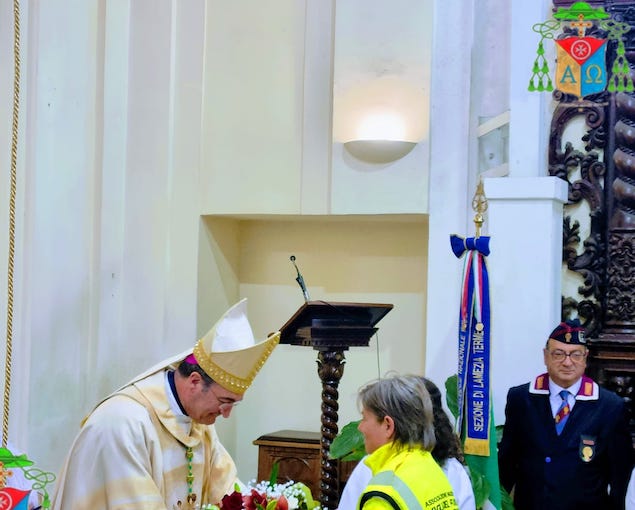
(131, 454)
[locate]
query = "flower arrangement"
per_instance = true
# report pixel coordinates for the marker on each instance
(268, 496)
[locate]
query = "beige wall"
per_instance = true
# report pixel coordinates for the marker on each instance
(287, 82)
(146, 116)
(151, 119)
(374, 259)
(252, 110)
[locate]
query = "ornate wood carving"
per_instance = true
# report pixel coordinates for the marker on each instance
(602, 179)
(330, 370)
(584, 171)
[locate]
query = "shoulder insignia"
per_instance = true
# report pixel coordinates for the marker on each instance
(589, 390)
(540, 386)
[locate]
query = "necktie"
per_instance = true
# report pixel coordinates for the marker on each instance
(563, 412)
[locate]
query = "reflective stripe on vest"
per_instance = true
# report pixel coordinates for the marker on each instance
(376, 494)
(390, 480)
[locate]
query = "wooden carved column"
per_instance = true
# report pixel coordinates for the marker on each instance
(600, 170)
(331, 329)
(330, 371)
(613, 351)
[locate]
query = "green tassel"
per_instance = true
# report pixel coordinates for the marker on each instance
(541, 49)
(549, 86)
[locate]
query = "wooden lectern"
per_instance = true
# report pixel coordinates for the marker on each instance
(331, 328)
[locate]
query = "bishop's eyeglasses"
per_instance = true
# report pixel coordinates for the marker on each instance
(559, 355)
(224, 403)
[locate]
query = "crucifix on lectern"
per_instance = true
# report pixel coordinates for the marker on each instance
(331, 328)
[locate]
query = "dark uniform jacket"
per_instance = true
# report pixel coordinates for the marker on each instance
(573, 470)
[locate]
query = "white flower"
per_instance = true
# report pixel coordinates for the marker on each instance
(296, 493)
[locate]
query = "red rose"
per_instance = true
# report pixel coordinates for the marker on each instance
(255, 500)
(282, 503)
(233, 501)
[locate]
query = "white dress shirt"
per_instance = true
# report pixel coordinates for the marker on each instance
(554, 395)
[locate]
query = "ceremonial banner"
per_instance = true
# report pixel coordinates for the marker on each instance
(475, 421)
(13, 499)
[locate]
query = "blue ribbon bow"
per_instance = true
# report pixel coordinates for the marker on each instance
(460, 245)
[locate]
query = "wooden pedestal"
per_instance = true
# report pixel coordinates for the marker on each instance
(298, 454)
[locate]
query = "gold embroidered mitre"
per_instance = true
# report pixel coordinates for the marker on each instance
(229, 354)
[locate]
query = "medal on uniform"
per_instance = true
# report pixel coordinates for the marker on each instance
(587, 448)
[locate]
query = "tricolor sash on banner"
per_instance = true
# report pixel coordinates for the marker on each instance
(474, 346)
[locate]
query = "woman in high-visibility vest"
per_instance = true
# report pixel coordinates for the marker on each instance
(447, 452)
(397, 425)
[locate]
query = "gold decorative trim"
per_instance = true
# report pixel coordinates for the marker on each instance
(230, 381)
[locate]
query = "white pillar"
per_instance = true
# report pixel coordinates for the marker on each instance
(529, 111)
(448, 195)
(525, 270)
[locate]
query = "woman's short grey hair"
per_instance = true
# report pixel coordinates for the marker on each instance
(407, 401)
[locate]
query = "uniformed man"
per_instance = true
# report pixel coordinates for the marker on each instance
(566, 443)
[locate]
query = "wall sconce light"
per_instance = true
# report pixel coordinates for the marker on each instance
(379, 151)
(380, 138)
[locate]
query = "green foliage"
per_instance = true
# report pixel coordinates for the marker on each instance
(273, 476)
(309, 503)
(349, 443)
(506, 500)
(480, 485)
(451, 395)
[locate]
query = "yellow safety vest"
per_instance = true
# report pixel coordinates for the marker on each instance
(406, 479)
